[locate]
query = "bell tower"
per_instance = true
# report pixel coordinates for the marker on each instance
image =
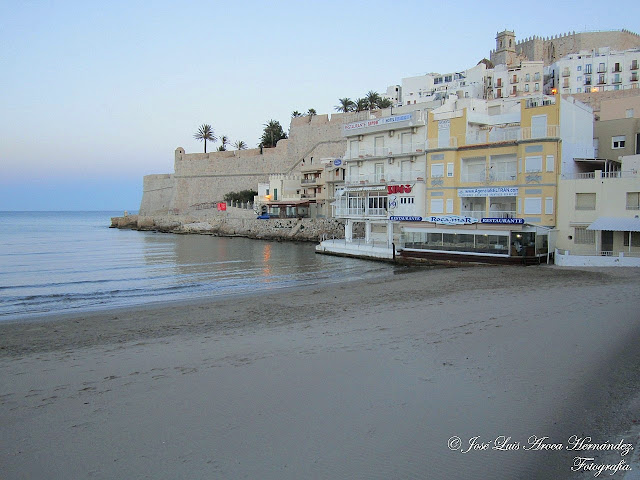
(505, 52)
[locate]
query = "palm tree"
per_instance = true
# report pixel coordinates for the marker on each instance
(205, 132)
(296, 114)
(311, 112)
(346, 105)
(373, 98)
(240, 145)
(385, 103)
(361, 104)
(272, 133)
(225, 141)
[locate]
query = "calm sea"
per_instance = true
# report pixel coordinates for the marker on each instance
(57, 262)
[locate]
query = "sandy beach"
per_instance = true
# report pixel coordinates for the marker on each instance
(376, 379)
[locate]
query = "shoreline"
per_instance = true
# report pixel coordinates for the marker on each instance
(366, 378)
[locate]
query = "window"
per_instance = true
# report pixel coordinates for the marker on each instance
(579, 68)
(579, 79)
(629, 113)
(533, 206)
(527, 77)
(378, 202)
(449, 205)
(585, 201)
(635, 239)
(633, 200)
(447, 78)
(449, 170)
(538, 126)
(536, 77)
(601, 68)
(437, 205)
(438, 80)
(536, 87)
(437, 170)
(407, 200)
(551, 161)
(587, 68)
(582, 236)
(579, 90)
(618, 141)
(526, 87)
(601, 79)
(533, 164)
(548, 206)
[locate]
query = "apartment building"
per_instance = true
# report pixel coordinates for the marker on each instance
(617, 128)
(524, 78)
(601, 70)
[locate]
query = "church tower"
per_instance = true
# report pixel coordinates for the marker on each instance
(505, 52)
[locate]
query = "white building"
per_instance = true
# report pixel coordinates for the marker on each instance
(603, 70)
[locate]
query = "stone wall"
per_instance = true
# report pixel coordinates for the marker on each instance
(207, 177)
(550, 49)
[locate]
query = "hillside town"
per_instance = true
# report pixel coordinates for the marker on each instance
(530, 156)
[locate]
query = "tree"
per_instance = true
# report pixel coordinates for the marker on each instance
(271, 134)
(204, 133)
(311, 112)
(385, 103)
(361, 104)
(296, 114)
(346, 105)
(240, 145)
(225, 141)
(373, 98)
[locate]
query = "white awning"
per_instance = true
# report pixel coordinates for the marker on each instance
(616, 224)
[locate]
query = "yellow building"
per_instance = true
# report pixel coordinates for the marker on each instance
(492, 176)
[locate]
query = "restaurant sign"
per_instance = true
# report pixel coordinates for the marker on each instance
(503, 221)
(403, 218)
(452, 220)
(488, 192)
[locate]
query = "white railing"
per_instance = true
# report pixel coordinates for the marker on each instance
(473, 177)
(394, 177)
(502, 176)
(359, 212)
(387, 151)
(479, 214)
(433, 143)
(502, 213)
(593, 175)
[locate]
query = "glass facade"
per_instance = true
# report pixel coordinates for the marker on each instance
(458, 242)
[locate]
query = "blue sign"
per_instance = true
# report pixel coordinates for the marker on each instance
(504, 221)
(337, 162)
(401, 218)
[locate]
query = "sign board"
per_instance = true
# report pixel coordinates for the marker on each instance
(503, 221)
(401, 218)
(337, 162)
(222, 207)
(452, 220)
(377, 121)
(488, 192)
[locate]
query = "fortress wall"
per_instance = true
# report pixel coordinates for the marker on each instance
(157, 194)
(207, 177)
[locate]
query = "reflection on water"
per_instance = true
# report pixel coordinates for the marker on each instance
(266, 256)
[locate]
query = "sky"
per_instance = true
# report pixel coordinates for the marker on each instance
(109, 90)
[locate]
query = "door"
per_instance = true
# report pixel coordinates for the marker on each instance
(538, 126)
(378, 146)
(406, 142)
(607, 241)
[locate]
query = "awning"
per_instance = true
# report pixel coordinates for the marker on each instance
(616, 224)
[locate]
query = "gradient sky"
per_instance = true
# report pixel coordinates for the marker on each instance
(94, 95)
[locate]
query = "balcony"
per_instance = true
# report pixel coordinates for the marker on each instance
(381, 179)
(308, 181)
(634, 77)
(514, 79)
(342, 212)
(478, 214)
(616, 68)
(616, 79)
(434, 143)
(566, 72)
(634, 65)
(386, 152)
(473, 177)
(502, 214)
(550, 131)
(602, 68)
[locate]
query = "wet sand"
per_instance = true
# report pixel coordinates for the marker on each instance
(368, 379)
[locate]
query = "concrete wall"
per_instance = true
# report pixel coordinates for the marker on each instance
(605, 130)
(207, 177)
(611, 109)
(567, 260)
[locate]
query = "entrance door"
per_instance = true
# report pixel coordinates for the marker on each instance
(607, 241)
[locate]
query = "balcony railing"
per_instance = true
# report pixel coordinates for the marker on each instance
(433, 143)
(502, 213)
(395, 177)
(502, 176)
(634, 65)
(566, 72)
(360, 212)
(552, 131)
(473, 177)
(385, 152)
(310, 180)
(479, 214)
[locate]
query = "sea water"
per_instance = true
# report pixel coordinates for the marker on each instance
(60, 262)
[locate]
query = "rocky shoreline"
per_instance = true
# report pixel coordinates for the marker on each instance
(243, 225)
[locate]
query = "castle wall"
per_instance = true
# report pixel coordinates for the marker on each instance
(550, 49)
(207, 177)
